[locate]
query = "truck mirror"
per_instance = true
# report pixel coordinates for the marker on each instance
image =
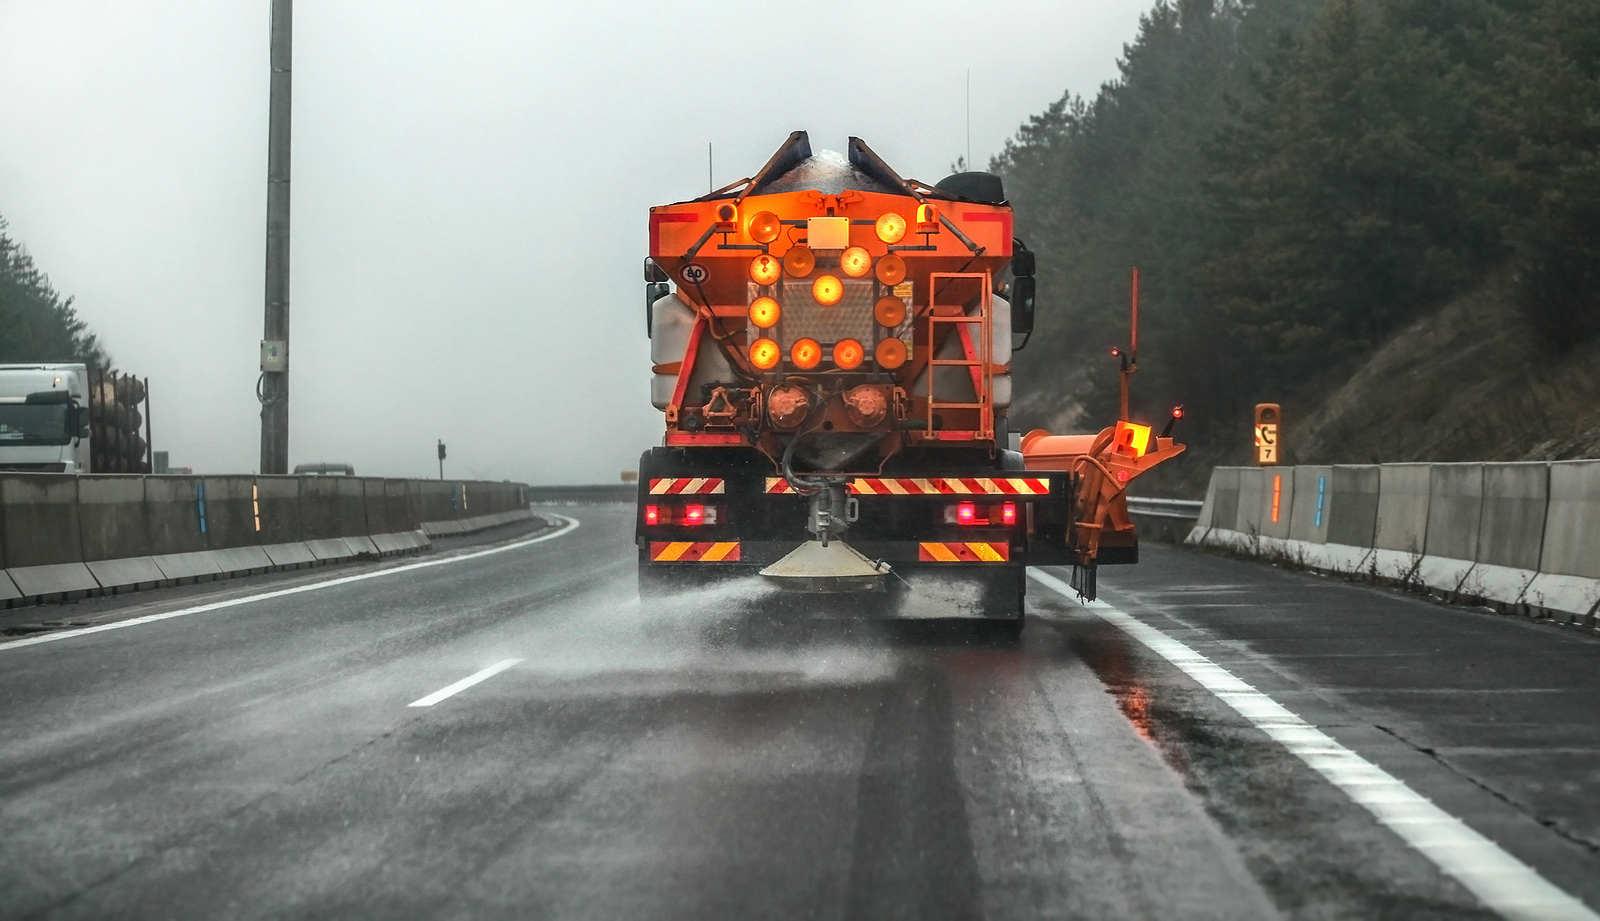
(654, 274)
(1022, 263)
(653, 292)
(1022, 290)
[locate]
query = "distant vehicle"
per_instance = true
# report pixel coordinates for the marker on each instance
(324, 470)
(44, 418)
(67, 418)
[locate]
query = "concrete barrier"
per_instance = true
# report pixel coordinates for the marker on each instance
(63, 534)
(178, 517)
(52, 579)
(294, 553)
(1277, 501)
(374, 506)
(190, 565)
(113, 521)
(397, 507)
(44, 551)
(1569, 578)
(1402, 529)
(230, 514)
(278, 502)
(1308, 519)
(1250, 480)
(1520, 534)
(1455, 507)
(1353, 505)
(1511, 531)
(41, 520)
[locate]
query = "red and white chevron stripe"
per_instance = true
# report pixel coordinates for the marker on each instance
(688, 486)
(935, 486)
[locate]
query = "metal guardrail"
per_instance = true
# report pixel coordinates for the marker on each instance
(593, 494)
(1165, 508)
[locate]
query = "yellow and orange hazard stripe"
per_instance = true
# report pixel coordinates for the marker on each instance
(972, 551)
(694, 551)
(688, 486)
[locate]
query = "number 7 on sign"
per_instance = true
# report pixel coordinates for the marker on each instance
(1267, 443)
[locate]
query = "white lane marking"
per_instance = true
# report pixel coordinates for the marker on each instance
(464, 683)
(1503, 882)
(571, 525)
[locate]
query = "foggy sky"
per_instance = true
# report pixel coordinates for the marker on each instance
(470, 187)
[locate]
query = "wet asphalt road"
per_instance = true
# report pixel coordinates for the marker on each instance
(698, 757)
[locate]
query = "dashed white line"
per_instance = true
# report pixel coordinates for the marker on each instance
(571, 525)
(1503, 882)
(464, 683)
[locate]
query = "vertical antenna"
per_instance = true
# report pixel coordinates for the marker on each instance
(1130, 361)
(969, 118)
(1133, 344)
(711, 183)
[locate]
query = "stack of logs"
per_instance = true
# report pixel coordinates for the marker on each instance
(115, 442)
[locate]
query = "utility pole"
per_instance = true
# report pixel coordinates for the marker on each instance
(273, 391)
(441, 458)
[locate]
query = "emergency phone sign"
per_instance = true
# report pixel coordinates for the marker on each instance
(1269, 448)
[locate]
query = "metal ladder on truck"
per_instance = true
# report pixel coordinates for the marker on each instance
(978, 355)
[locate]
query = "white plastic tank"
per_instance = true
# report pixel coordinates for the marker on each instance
(672, 322)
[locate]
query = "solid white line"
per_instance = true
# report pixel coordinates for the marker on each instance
(1503, 882)
(464, 683)
(571, 525)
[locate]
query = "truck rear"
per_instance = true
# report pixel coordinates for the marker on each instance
(832, 348)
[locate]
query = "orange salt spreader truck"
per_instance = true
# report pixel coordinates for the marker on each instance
(832, 348)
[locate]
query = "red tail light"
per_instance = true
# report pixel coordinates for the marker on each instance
(971, 514)
(682, 516)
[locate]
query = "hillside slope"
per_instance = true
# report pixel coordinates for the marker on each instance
(1468, 383)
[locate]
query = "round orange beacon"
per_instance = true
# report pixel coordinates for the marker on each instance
(891, 227)
(765, 354)
(848, 354)
(805, 354)
(799, 260)
(764, 312)
(891, 354)
(891, 270)
(855, 261)
(764, 227)
(765, 269)
(828, 290)
(889, 311)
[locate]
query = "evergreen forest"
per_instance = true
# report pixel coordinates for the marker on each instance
(1297, 180)
(36, 323)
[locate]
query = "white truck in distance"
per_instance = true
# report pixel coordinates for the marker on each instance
(44, 418)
